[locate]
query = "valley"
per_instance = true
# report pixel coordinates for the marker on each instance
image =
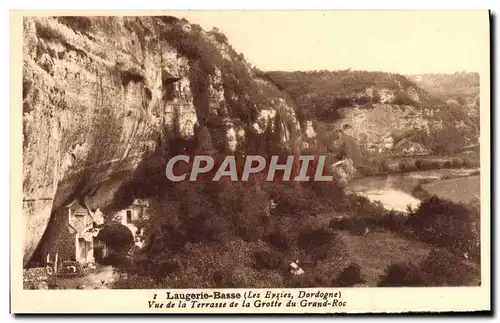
(108, 101)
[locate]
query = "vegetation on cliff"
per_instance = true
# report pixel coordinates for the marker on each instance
(226, 234)
(319, 94)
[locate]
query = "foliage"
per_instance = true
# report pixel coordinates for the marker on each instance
(402, 275)
(350, 276)
(447, 140)
(319, 244)
(278, 240)
(268, 260)
(77, 23)
(319, 94)
(446, 269)
(243, 96)
(464, 86)
(116, 236)
(440, 268)
(447, 224)
(402, 98)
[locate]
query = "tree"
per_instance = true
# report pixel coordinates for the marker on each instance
(350, 276)
(116, 237)
(402, 275)
(446, 224)
(446, 269)
(461, 100)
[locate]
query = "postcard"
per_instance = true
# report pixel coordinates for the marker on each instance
(250, 161)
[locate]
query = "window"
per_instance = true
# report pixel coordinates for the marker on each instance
(129, 216)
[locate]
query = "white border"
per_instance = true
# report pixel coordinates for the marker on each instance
(149, 5)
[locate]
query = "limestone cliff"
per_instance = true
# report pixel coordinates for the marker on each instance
(383, 113)
(100, 92)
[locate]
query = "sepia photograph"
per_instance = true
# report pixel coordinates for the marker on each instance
(245, 160)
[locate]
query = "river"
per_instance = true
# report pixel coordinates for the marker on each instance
(394, 191)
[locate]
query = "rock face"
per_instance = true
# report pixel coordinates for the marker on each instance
(381, 127)
(100, 92)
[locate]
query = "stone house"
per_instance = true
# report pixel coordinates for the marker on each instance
(131, 216)
(84, 226)
(70, 234)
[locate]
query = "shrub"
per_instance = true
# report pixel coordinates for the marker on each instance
(419, 192)
(351, 275)
(219, 36)
(394, 221)
(268, 260)
(77, 23)
(321, 275)
(402, 98)
(116, 236)
(446, 224)
(446, 269)
(318, 244)
(278, 240)
(116, 259)
(466, 163)
(340, 223)
(456, 163)
(358, 226)
(402, 275)
(290, 200)
(223, 279)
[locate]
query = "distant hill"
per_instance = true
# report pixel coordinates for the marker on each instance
(384, 113)
(460, 86)
(319, 94)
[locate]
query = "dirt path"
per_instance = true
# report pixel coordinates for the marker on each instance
(99, 278)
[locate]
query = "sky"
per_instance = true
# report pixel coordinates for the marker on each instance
(406, 42)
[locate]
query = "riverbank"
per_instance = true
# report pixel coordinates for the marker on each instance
(383, 165)
(398, 190)
(459, 190)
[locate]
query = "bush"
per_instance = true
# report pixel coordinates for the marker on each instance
(456, 163)
(223, 279)
(419, 192)
(290, 200)
(466, 163)
(351, 275)
(446, 269)
(278, 240)
(358, 226)
(318, 244)
(116, 259)
(116, 236)
(268, 260)
(446, 224)
(402, 275)
(394, 221)
(77, 23)
(402, 98)
(340, 223)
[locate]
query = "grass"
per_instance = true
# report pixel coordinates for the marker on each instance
(377, 250)
(459, 190)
